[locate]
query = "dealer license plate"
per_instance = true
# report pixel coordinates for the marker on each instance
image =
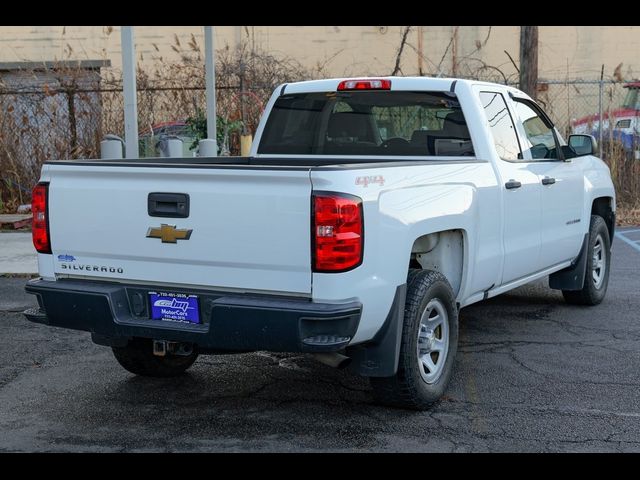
(174, 307)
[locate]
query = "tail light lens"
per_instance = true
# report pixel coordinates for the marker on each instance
(365, 84)
(338, 233)
(40, 223)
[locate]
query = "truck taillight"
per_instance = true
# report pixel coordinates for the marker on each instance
(338, 232)
(40, 223)
(365, 84)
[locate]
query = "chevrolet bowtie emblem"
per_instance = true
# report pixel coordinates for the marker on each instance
(169, 233)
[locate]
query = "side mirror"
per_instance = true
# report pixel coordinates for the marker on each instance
(583, 144)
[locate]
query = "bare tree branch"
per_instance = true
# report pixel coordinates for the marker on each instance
(486, 39)
(396, 69)
(424, 57)
(512, 61)
(444, 55)
(322, 64)
(479, 46)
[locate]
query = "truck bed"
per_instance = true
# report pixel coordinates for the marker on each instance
(302, 163)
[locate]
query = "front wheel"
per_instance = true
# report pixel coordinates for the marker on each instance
(596, 279)
(428, 345)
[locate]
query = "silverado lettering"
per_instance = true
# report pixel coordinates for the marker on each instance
(92, 268)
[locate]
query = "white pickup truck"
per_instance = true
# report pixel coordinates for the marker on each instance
(369, 212)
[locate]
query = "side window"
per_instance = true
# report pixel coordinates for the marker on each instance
(501, 125)
(540, 139)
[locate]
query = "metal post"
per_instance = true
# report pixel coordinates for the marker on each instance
(209, 147)
(245, 136)
(600, 130)
(129, 88)
(420, 51)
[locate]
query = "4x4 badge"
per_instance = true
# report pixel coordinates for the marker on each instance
(169, 233)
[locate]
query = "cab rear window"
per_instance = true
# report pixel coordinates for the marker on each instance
(367, 123)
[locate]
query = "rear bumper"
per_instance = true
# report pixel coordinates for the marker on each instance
(115, 312)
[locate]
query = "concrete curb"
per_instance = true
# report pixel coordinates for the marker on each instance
(17, 255)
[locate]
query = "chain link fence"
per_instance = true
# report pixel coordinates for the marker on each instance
(60, 121)
(65, 115)
(581, 106)
(569, 101)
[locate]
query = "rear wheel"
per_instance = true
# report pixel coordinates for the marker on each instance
(596, 279)
(428, 345)
(137, 357)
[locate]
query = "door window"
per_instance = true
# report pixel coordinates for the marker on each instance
(540, 139)
(501, 125)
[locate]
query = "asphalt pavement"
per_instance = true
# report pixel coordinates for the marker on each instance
(532, 374)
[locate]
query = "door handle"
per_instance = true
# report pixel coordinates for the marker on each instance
(511, 184)
(548, 181)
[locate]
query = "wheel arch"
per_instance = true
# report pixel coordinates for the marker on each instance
(444, 251)
(603, 207)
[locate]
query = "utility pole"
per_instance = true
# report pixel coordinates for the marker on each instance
(454, 52)
(529, 60)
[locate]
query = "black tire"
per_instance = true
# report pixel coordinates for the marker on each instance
(137, 357)
(592, 293)
(412, 274)
(407, 388)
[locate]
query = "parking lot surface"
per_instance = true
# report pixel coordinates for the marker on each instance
(532, 374)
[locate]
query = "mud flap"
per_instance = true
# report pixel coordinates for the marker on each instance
(572, 277)
(379, 357)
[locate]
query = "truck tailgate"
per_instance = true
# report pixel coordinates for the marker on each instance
(250, 226)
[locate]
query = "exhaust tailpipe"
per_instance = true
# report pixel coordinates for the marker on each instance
(335, 360)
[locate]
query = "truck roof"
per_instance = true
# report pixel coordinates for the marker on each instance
(397, 83)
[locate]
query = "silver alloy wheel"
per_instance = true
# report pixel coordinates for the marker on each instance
(433, 341)
(598, 262)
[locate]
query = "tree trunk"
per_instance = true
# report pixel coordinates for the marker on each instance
(529, 60)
